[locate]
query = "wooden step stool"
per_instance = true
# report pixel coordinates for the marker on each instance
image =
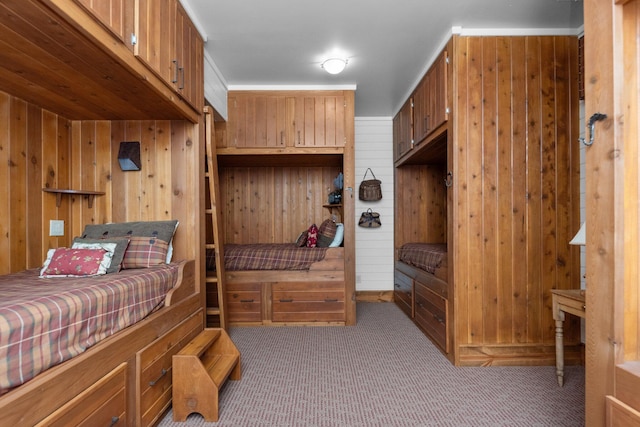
(199, 371)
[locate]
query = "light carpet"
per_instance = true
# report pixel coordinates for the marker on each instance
(382, 372)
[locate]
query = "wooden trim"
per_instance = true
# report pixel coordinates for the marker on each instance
(374, 296)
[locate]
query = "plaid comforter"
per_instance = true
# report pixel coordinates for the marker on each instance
(427, 256)
(44, 322)
(268, 256)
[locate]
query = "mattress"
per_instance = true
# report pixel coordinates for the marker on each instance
(430, 257)
(45, 321)
(267, 256)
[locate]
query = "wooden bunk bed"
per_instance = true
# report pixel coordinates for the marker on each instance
(486, 165)
(278, 154)
(121, 93)
(125, 377)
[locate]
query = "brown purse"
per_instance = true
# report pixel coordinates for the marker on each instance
(369, 219)
(370, 189)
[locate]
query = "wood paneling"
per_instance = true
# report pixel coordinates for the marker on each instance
(513, 206)
(516, 178)
(273, 204)
(43, 149)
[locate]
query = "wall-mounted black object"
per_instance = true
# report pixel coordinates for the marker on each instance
(129, 156)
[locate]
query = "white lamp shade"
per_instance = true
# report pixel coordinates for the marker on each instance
(334, 65)
(581, 236)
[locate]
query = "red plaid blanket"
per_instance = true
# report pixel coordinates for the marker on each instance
(427, 256)
(44, 322)
(268, 256)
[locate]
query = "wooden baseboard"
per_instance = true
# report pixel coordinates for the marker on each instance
(374, 296)
(516, 355)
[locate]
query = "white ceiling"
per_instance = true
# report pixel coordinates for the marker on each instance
(389, 43)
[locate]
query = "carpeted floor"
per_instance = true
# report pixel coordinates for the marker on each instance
(382, 372)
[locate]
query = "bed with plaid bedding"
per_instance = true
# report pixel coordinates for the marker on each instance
(44, 322)
(426, 256)
(267, 256)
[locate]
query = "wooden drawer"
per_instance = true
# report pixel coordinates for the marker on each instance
(308, 302)
(403, 292)
(244, 302)
(102, 404)
(153, 369)
(431, 315)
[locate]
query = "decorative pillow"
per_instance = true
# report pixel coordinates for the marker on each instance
(301, 241)
(337, 241)
(326, 233)
(312, 236)
(70, 262)
(144, 252)
(163, 230)
(117, 247)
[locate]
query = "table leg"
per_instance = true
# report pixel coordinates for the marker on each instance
(559, 351)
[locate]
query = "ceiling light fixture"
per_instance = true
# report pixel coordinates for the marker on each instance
(334, 65)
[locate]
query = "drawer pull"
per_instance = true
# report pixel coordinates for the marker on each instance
(286, 300)
(438, 319)
(162, 374)
(330, 300)
(246, 300)
(114, 420)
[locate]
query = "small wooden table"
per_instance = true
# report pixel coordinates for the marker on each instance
(565, 301)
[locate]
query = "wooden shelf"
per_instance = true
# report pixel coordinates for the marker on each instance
(59, 192)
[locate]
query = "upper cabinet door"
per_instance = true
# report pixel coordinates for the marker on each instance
(155, 30)
(116, 15)
(170, 45)
(260, 121)
(320, 121)
(430, 100)
(403, 130)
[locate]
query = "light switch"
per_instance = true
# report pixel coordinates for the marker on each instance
(56, 227)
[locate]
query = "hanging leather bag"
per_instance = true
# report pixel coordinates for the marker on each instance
(370, 189)
(369, 219)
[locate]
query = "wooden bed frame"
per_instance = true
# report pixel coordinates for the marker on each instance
(315, 296)
(125, 378)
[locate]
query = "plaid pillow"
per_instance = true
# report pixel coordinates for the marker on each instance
(326, 233)
(144, 252)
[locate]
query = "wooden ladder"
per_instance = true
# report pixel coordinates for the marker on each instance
(199, 371)
(215, 289)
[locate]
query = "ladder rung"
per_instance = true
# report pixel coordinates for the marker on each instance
(208, 211)
(213, 311)
(210, 245)
(211, 279)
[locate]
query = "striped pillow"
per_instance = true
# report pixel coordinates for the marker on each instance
(144, 252)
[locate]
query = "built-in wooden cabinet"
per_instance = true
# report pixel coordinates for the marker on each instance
(403, 130)
(320, 121)
(308, 302)
(430, 108)
(291, 119)
(153, 370)
(499, 184)
(169, 44)
(403, 292)
(116, 15)
(104, 403)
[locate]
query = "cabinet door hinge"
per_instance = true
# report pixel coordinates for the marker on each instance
(134, 39)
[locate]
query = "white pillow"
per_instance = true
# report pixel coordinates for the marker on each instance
(337, 241)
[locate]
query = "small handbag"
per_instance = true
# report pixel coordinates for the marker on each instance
(370, 190)
(369, 219)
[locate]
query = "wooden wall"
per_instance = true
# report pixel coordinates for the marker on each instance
(421, 204)
(43, 149)
(273, 204)
(516, 190)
